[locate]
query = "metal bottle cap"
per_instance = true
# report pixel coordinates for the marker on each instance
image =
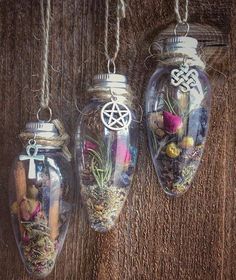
(110, 80)
(44, 129)
(180, 42)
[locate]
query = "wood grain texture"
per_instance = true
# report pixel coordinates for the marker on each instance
(192, 237)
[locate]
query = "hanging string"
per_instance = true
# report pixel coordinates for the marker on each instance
(170, 53)
(181, 20)
(120, 13)
(177, 11)
(44, 103)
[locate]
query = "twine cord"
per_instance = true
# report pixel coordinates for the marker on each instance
(176, 56)
(180, 19)
(60, 141)
(170, 58)
(120, 13)
(45, 95)
(104, 94)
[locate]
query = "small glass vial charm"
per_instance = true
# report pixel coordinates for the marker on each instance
(106, 149)
(177, 111)
(40, 200)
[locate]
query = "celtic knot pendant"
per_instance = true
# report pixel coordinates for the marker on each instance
(116, 116)
(184, 78)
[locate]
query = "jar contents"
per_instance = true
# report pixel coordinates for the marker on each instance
(106, 172)
(177, 120)
(40, 203)
(106, 150)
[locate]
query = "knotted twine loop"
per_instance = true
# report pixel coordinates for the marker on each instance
(45, 95)
(60, 141)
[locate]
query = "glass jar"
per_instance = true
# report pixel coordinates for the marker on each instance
(106, 149)
(40, 200)
(177, 110)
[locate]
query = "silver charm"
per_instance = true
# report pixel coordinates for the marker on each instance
(184, 78)
(116, 116)
(32, 151)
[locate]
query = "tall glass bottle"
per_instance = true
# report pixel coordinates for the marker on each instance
(106, 149)
(177, 110)
(40, 199)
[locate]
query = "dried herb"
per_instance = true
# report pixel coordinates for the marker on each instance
(38, 248)
(177, 140)
(101, 164)
(112, 168)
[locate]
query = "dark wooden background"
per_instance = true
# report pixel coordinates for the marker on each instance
(192, 237)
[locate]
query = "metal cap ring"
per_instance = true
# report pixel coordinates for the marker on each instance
(184, 24)
(50, 114)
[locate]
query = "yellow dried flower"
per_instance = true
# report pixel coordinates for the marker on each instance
(172, 150)
(187, 142)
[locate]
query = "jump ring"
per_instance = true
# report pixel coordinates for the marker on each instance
(32, 142)
(50, 114)
(113, 97)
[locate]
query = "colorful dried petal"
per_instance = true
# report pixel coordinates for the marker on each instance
(172, 122)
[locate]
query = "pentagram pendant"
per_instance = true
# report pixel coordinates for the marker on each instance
(116, 116)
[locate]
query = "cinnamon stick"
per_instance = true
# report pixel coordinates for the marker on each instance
(53, 220)
(54, 210)
(20, 179)
(21, 187)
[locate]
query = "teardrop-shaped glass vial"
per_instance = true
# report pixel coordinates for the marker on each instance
(177, 110)
(40, 199)
(106, 150)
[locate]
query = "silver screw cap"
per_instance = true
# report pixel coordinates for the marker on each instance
(180, 42)
(44, 129)
(110, 80)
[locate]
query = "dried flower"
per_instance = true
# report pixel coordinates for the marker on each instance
(38, 249)
(134, 154)
(155, 120)
(29, 208)
(123, 155)
(156, 123)
(187, 142)
(172, 123)
(89, 145)
(172, 150)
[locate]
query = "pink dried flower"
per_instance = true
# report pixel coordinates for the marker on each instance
(29, 208)
(88, 145)
(123, 155)
(172, 122)
(25, 238)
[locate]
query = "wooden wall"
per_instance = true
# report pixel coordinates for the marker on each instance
(192, 237)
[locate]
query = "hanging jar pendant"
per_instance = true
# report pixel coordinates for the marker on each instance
(177, 111)
(39, 197)
(106, 149)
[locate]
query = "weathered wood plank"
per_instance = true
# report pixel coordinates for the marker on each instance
(157, 237)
